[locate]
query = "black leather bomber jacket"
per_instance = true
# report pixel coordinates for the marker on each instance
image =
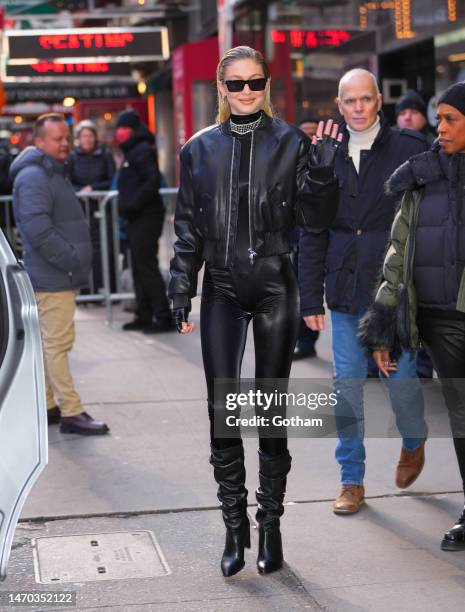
(284, 190)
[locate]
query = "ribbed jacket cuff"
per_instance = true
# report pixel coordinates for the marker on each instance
(308, 312)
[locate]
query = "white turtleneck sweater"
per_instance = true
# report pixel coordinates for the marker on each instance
(362, 141)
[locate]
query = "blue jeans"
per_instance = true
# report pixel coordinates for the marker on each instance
(350, 371)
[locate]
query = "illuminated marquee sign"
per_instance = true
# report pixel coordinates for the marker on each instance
(82, 45)
(310, 39)
(52, 70)
(55, 93)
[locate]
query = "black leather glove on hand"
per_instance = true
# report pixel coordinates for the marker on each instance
(180, 316)
(323, 153)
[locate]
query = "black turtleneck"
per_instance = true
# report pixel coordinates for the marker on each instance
(241, 251)
(241, 119)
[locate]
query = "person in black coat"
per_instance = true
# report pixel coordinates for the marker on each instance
(421, 296)
(91, 165)
(411, 115)
(345, 261)
(91, 168)
(244, 183)
(141, 206)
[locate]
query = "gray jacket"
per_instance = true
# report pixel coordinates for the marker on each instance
(49, 217)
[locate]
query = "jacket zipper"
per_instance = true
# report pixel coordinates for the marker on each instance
(410, 245)
(228, 216)
(252, 253)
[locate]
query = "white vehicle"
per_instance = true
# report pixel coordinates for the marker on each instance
(23, 410)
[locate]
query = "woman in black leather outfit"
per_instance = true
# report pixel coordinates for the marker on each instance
(244, 182)
(422, 295)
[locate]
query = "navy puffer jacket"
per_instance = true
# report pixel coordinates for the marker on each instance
(439, 257)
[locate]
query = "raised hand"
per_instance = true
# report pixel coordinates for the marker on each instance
(325, 144)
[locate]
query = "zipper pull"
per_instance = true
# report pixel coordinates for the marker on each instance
(252, 254)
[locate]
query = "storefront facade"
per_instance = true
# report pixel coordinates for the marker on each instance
(408, 44)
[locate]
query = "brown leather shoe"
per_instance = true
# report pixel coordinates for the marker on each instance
(410, 465)
(349, 499)
(83, 424)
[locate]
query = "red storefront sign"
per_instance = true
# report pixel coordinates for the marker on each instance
(86, 41)
(52, 69)
(310, 39)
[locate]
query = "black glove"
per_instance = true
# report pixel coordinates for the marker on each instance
(323, 153)
(180, 316)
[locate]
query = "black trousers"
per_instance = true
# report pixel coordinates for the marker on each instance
(266, 294)
(445, 342)
(143, 235)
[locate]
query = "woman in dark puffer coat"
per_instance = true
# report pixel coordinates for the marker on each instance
(91, 165)
(422, 294)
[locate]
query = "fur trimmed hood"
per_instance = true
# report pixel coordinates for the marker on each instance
(416, 172)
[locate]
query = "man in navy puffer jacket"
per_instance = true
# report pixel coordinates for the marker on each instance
(57, 257)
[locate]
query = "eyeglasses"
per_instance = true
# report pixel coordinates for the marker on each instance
(239, 84)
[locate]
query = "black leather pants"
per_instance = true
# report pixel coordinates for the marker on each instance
(266, 294)
(445, 342)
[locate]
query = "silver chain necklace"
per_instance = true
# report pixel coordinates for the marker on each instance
(244, 128)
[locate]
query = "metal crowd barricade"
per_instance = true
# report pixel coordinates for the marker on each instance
(97, 205)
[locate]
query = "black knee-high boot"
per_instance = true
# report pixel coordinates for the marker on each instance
(270, 497)
(229, 473)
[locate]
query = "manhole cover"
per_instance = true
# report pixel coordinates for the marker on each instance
(119, 555)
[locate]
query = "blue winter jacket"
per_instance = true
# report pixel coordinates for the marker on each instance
(50, 220)
(344, 261)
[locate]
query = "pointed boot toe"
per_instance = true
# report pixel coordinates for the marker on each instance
(270, 550)
(233, 556)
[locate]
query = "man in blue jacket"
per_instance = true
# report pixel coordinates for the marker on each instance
(57, 257)
(345, 261)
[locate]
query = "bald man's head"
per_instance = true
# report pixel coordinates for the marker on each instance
(359, 99)
(358, 74)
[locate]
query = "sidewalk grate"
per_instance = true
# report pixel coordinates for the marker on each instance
(119, 555)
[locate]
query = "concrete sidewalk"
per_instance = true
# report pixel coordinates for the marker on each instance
(152, 475)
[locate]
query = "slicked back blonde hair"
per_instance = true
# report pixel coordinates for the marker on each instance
(231, 56)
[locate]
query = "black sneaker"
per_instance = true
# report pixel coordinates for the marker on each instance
(136, 325)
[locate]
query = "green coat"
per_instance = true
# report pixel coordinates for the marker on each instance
(391, 322)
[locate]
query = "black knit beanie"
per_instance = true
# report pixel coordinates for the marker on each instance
(454, 96)
(129, 118)
(411, 99)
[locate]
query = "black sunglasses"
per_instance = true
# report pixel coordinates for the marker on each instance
(239, 84)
